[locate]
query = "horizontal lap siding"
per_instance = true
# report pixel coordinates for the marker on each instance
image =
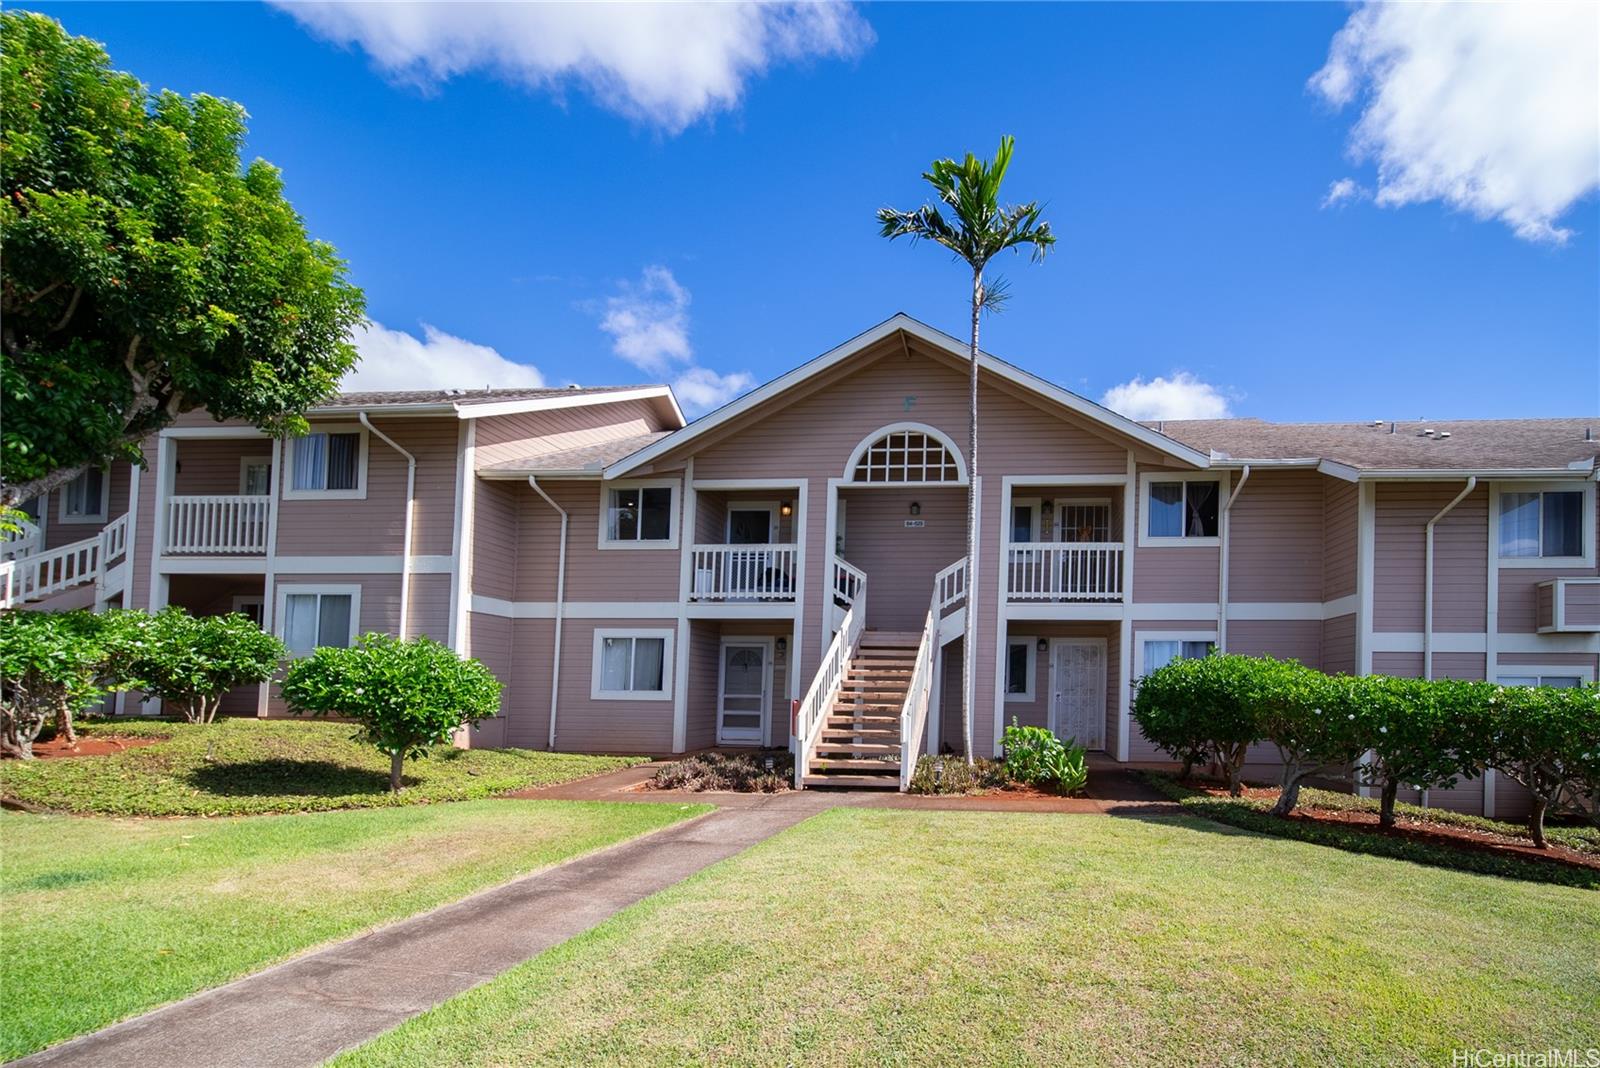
(142, 533)
(490, 643)
(58, 533)
(1171, 574)
(1275, 538)
(1519, 588)
(376, 525)
(1286, 639)
(1036, 713)
(1583, 605)
(950, 700)
(1461, 545)
(1340, 527)
(500, 438)
(495, 541)
(900, 561)
(208, 466)
(528, 701)
(1339, 645)
(1445, 665)
(593, 574)
(705, 646)
(586, 725)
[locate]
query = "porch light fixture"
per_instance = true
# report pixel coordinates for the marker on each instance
(783, 645)
(1044, 645)
(786, 509)
(916, 508)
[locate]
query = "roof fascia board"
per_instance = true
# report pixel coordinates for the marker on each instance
(577, 400)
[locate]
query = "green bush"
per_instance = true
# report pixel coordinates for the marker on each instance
(1203, 710)
(1034, 755)
(190, 662)
(1546, 738)
(953, 775)
(407, 695)
(52, 664)
(1417, 734)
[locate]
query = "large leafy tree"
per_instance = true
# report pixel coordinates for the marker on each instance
(147, 272)
(977, 229)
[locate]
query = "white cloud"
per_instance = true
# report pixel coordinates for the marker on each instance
(648, 321)
(1183, 396)
(394, 359)
(1342, 190)
(665, 64)
(1493, 109)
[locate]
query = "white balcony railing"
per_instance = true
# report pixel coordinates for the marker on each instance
(1064, 571)
(745, 572)
(217, 524)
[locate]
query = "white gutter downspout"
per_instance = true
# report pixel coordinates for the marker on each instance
(1222, 564)
(561, 595)
(1427, 577)
(411, 500)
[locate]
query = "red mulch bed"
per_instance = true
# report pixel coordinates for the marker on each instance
(1419, 831)
(99, 745)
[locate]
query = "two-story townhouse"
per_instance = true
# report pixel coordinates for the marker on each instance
(789, 570)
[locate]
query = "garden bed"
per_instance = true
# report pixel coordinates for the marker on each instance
(746, 773)
(1427, 836)
(249, 766)
(89, 745)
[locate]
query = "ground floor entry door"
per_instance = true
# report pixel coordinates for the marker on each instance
(744, 692)
(1078, 690)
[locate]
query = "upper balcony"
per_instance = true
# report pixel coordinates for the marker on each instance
(1065, 546)
(219, 502)
(745, 547)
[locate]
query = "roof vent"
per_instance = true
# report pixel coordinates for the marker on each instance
(1426, 432)
(1377, 423)
(1588, 433)
(1391, 428)
(454, 392)
(574, 385)
(1443, 434)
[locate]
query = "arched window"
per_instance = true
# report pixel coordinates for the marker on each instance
(907, 453)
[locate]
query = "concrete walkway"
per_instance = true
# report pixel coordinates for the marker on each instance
(305, 1010)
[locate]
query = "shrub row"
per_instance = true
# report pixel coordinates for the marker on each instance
(1380, 731)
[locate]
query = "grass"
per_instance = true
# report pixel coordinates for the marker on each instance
(238, 767)
(890, 937)
(108, 918)
(1251, 814)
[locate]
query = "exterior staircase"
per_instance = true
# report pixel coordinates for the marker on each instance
(859, 744)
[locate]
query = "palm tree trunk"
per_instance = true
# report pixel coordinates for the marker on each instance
(969, 648)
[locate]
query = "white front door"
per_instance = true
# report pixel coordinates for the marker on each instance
(744, 691)
(1078, 690)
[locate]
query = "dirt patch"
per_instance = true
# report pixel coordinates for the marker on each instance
(87, 746)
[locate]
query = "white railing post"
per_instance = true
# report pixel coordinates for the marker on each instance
(225, 524)
(1065, 571)
(827, 682)
(744, 572)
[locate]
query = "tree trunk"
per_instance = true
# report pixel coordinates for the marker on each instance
(64, 722)
(1290, 795)
(397, 764)
(969, 647)
(1391, 789)
(1536, 821)
(1188, 768)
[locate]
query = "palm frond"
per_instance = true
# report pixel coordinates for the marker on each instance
(995, 296)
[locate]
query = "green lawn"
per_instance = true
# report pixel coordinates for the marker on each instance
(246, 766)
(108, 918)
(891, 937)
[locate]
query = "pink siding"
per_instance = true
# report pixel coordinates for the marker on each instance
(1341, 523)
(712, 507)
(142, 534)
(1275, 538)
(1445, 665)
(1036, 713)
(1339, 645)
(593, 574)
(500, 438)
(376, 525)
(212, 465)
(1582, 604)
(1519, 597)
(58, 532)
(1176, 574)
(778, 717)
(495, 537)
(705, 646)
(1140, 748)
(950, 701)
(489, 639)
(1461, 545)
(900, 561)
(1287, 639)
(586, 725)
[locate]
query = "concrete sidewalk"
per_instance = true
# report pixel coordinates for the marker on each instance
(303, 1011)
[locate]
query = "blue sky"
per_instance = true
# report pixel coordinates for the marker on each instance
(1183, 159)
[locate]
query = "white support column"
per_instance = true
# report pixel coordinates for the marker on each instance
(269, 577)
(680, 679)
(466, 506)
(1130, 542)
(1366, 549)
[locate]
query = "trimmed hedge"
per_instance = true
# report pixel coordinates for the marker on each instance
(1381, 731)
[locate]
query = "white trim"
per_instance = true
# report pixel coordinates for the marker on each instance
(1037, 524)
(770, 507)
(289, 493)
(1554, 563)
(688, 512)
(719, 484)
(603, 534)
(213, 432)
(1106, 481)
(284, 590)
(768, 645)
(546, 404)
(1285, 610)
(1393, 641)
(667, 664)
(462, 537)
(792, 667)
(1366, 550)
(1024, 610)
(938, 339)
(1410, 641)
(304, 565)
(1146, 540)
(269, 576)
(1031, 693)
(1583, 672)
(884, 431)
(166, 460)
(87, 519)
(622, 610)
(1130, 521)
(1145, 637)
(245, 464)
(1050, 700)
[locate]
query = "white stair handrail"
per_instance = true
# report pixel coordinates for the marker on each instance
(8, 583)
(114, 540)
(24, 541)
(847, 580)
(42, 574)
(914, 713)
(827, 683)
(950, 585)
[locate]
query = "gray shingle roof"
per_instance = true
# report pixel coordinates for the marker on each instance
(1470, 444)
(463, 397)
(585, 459)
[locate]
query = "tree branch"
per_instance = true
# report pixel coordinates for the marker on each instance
(72, 308)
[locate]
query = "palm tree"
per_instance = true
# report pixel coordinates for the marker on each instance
(978, 230)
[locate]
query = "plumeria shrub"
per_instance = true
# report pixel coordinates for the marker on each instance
(1546, 738)
(52, 665)
(1417, 734)
(407, 695)
(190, 662)
(1314, 721)
(1204, 710)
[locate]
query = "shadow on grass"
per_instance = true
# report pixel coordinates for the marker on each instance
(280, 776)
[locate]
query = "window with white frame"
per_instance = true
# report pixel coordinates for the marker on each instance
(1025, 520)
(639, 514)
(1540, 524)
(1182, 508)
(906, 455)
(1554, 678)
(83, 500)
(255, 476)
(312, 617)
(1021, 668)
(632, 665)
(1161, 651)
(1084, 521)
(327, 464)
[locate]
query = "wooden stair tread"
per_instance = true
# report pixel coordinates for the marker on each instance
(857, 747)
(881, 782)
(821, 764)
